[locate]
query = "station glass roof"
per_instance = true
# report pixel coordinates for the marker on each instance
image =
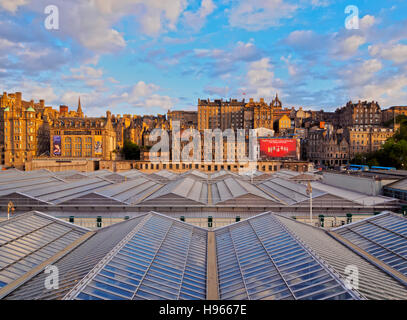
(259, 259)
(383, 236)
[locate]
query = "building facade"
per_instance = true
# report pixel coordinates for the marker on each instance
(366, 139)
(83, 138)
(358, 114)
(391, 113)
(24, 129)
(187, 119)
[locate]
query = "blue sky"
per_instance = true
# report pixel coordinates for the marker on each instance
(148, 56)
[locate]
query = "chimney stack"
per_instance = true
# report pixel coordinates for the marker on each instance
(18, 99)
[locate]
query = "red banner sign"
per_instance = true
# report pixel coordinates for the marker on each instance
(278, 148)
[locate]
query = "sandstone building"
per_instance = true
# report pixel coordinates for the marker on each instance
(24, 129)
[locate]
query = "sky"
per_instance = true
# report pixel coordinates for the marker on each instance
(149, 56)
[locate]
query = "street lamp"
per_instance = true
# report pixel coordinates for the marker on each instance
(309, 191)
(10, 207)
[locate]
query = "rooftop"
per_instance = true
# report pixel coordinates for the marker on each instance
(156, 257)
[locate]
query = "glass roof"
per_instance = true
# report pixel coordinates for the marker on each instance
(158, 257)
(259, 259)
(383, 236)
(31, 239)
(163, 259)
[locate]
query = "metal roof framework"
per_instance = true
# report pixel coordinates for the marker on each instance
(30, 242)
(165, 188)
(382, 237)
(156, 257)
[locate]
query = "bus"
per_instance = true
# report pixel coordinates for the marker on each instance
(382, 168)
(357, 167)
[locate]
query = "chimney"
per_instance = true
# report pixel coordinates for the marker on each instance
(42, 103)
(18, 99)
(63, 109)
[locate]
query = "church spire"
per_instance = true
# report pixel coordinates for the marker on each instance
(79, 111)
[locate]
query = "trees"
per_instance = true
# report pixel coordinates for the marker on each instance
(131, 151)
(392, 154)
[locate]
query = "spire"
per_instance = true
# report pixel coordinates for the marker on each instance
(79, 111)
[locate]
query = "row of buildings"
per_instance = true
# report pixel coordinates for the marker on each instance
(31, 130)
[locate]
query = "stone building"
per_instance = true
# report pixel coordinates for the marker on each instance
(187, 119)
(262, 114)
(83, 138)
(327, 147)
(366, 139)
(24, 129)
(219, 114)
(392, 112)
(358, 114)
(234, 114)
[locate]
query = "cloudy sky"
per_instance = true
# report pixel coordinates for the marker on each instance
(148, 56)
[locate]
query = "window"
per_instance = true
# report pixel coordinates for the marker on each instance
(99, 222)
(210, 222)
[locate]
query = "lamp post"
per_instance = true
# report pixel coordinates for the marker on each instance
(10, 207)
(309, 191)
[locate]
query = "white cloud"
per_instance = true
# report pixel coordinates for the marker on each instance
(367, 21)
(157, 101)
(144, 95)
(225, 61)
(35, 91)
(142, 89)
(362, 73)
(305, 39)
(291, 67)
(92, 23)
(257, 15)
(196, 20)
(12, 5)
(320, 3)
(388, 92)
(92, 77)
(393, 52)
(260, 80)
(348, 46)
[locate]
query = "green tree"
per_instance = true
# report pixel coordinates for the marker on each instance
(392, 154)
(131, 151)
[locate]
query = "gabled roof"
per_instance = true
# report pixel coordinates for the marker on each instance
(20, 199)
(160, 258)
(230, 190)
(357, 197)
(185, 190)
(30, 242)
(373, 282)
(132, 191)
(156, 257)
(76, 264)
(382, 237)
(67, 191)
(163, 176)
(287, 191)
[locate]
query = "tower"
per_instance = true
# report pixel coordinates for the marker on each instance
(79, 111)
